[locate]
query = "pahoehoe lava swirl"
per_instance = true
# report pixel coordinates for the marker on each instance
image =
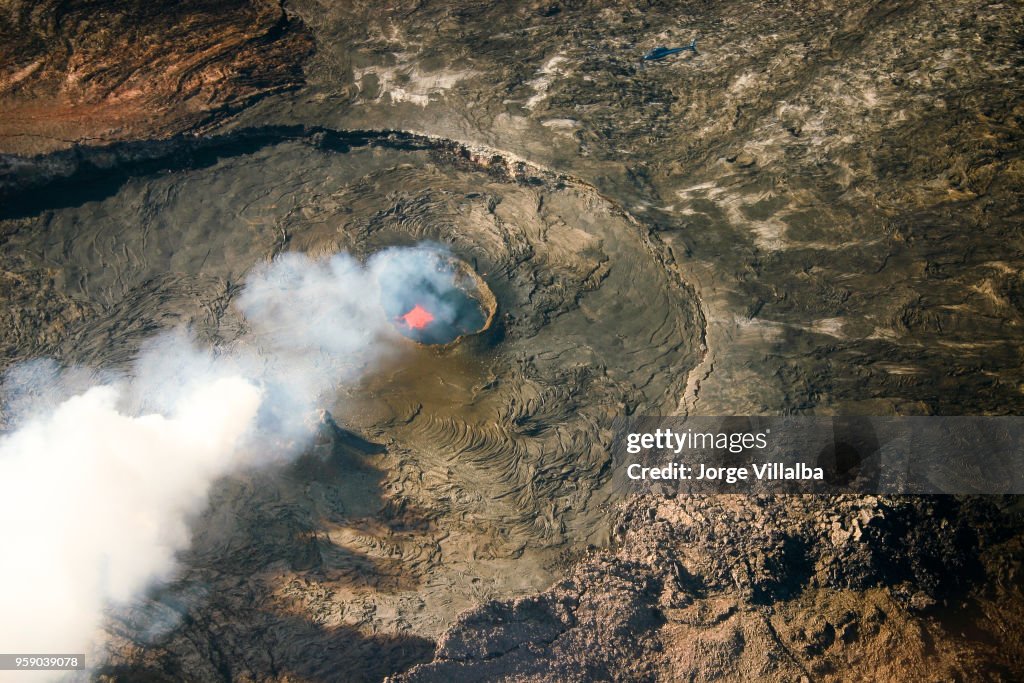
(478, 465)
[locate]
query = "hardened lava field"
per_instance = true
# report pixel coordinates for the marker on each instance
(816, 212)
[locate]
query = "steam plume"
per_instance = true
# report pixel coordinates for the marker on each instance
(97, 483)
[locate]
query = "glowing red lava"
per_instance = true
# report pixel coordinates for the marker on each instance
(418, 318)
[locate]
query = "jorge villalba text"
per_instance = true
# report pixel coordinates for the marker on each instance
(769, 471)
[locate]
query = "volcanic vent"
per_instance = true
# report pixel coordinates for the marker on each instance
(433, 297)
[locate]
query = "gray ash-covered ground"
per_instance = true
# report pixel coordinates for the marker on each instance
(820, 211)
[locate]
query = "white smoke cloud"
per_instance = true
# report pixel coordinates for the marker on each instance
(93, 505)
(96, 489)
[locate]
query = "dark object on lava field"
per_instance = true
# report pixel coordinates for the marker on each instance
(663, 52)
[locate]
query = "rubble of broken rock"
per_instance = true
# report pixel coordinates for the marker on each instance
(779, 588)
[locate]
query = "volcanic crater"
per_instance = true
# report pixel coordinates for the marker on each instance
(479, 468)
(444, 301)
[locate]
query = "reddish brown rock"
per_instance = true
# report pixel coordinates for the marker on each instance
(82, 72)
